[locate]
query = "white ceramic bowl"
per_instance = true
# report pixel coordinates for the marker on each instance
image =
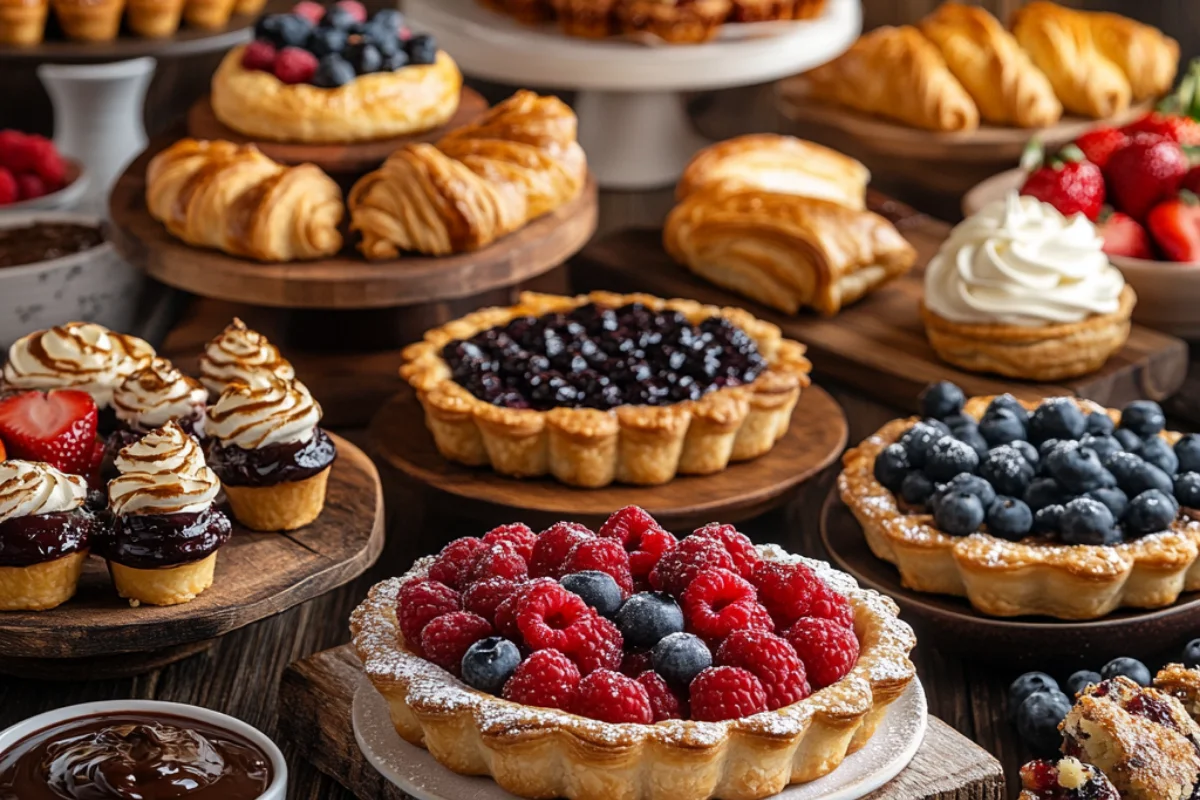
(78, 181)
(276, 791)
(96, 285)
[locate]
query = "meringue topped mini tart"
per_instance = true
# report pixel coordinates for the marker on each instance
(238, 354)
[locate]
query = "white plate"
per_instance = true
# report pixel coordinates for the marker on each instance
(64, 198)
(416, 772)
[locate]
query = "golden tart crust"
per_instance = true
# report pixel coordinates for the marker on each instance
(635, 444)
(1008, 579)
(544, 753)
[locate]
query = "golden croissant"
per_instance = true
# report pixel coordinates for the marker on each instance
(233, 198)
(1148, 57)
(479, 183)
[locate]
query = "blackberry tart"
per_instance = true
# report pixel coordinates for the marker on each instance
(45, 533)
(604, 387)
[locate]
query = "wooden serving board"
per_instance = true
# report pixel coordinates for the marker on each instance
(316, 695)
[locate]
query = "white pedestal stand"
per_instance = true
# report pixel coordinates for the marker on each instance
(632, 120)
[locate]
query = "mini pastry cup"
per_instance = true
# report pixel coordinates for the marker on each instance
(282, 507)
(690, 23)
(23, 22)
(208, 14)
(171, 586)
(154, 19)
(41, 586)
(90, 20)
(587, 19)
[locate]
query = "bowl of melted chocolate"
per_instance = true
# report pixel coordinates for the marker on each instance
(138, 750)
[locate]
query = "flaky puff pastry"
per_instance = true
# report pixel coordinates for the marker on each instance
(896, 73)
(1148, 57)
(785, 251)
(989, 63)
(233, 198)
(1061, 43)
(480, 182)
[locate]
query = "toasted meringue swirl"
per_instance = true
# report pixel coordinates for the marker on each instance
(273, 411)
(240, 354)
(77, 355)
(29, 488)
(158, 394)
(162, 473)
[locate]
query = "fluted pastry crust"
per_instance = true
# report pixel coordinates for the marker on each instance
(1148, 57)
(1038, 353)
(584, 447)
(376, 106)
(542, 753)
(233, 198)
(1030, 577)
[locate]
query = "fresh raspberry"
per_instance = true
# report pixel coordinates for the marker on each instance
(44, 159)
(604, 555)
(677, 568)
(453, 564)
(719, 602)
(553, 546)
(663, 702)
(611, 697)
(827, 650)
(517, 534)
(788, 591)
(738, 545)
(721, 693)
(8, 187)
(30, 186)
(500, 560)
(506, 612)
(446, 639)
(259, 55)
(545, 613)
(294, 65)
(357, 10)
(772, 660)
(832, 606)
(14, 150)
(594, 643)
(547, 679)
(484, 597)
(313, 12)
(635, 663)
(627, 525)
(418, 602)
(641, 536)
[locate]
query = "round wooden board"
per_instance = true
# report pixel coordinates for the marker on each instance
(346, 281)
(258, 575)
(816, 437)
(1021, 642)
(188, 41)
(352, 158)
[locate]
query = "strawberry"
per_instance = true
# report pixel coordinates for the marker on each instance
(1175, 225)
(57, 427)
(31, 186)
(1176, 127)
(9, 189)
(1124, 236)
(14, 150)
(1191, 181)
(1100, 143)
(3, 453)
(1069, 182)
(1145, 172)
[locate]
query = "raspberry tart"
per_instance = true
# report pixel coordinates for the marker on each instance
(627, 663)
(605, 387)
(1063, 508)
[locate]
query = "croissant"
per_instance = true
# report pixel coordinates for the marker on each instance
(1147, 56)
(479, 183)
(986, 59)
(1061, 44)
(896, 73)
(233, 198)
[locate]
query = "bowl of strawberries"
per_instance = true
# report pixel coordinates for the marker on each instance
(34, 175)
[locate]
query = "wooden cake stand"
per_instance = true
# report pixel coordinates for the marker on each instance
(97, 634)
(747, 489)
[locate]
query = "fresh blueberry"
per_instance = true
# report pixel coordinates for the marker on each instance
(1009, 518)
(1047, 447)
(395, 61)
(598, 589)
(960, 421)
(1130, 441)
(1135, 476)
(916, 489)
(1007, 470)
(1048, 519)
(958, 513)
(1044, 492)
(1130, 668)
(339, 18)
(1112, 497)
(647, 617)
(1187, 451)
(919, 440)
(949, 457)
(1143, 417)
(973, 438)
(333, 71)
(1076, 468)
(1086, 521)
(1150, 512)
(326, 41)
(892, 466)
(1102, 445)
(1038, 719)
(1081, 680)
(283, 30)
(365, 57)
(1191, 654)
(1007, 402)
(1056, 418)
(680, 657)
(489, 663)
(1001, 426)
(1187, 490)
(971, 484)
(422, 49)
(1028, 451)
(390, 19)
(1156, 451)
(941, 399)
(1026, 686)
(1099, 424)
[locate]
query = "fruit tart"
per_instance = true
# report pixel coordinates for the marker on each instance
(239, 354)
(604, 387)
(1182, 683)
(704, 667)
(45, 533)
(1062, 508)
(1067, 779)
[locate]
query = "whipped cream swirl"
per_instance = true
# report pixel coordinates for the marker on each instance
(158, 394)
(240, 354)
(162, 473)
(273, 411)
(1020, 262)
(29, 488)
(77, 355)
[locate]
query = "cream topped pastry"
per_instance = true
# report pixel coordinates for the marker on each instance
(77, 355)
(163, 473)
(240, 354)
(30, 489)
(157, 394)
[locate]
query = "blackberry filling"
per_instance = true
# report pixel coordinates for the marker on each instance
(151, 541)
(273, 464)
(26, 541)
(597, 357)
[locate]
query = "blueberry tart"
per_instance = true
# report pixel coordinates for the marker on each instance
(603, 387)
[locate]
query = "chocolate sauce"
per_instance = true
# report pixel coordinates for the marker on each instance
(134, 756)
(44, 241)
(273, 464)
(25, 541)
(154, 541)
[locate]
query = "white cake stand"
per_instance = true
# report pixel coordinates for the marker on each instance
(632, 120)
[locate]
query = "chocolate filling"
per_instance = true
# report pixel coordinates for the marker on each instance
(155, 541)
(25, 541)
(45, 241)
(273, 464)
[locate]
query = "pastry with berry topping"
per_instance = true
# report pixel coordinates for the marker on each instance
(603, 387)
(501, 654)
(1182, 683)
(239, 354)
(674, 21)
(1067, 779)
